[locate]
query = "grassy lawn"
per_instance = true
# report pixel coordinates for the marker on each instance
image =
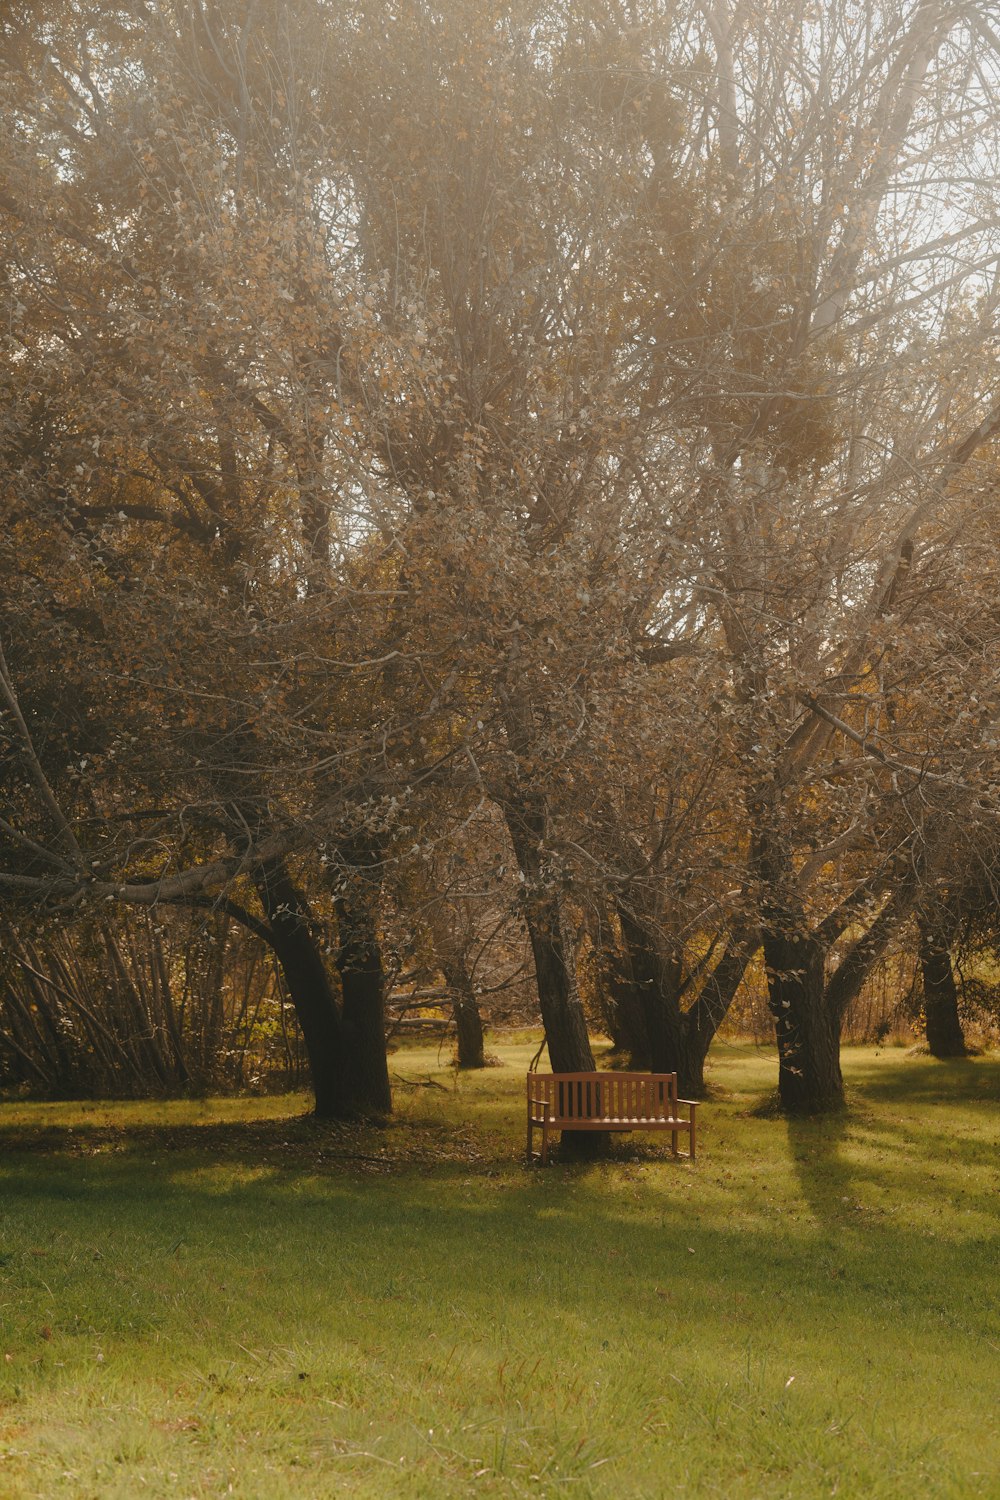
(219, 1298)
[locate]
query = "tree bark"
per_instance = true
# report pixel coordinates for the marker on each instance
(362, 983)
(562, 1013)
(451, 951)
(626, 1021)
(807, 1030)
(309, 989)
(465, 1008)
(469, 1032)
(945, 1037)
(656, 977)
(844, 985)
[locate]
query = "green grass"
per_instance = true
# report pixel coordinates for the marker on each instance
(205, 1299)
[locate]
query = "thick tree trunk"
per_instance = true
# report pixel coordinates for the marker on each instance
(808, 1033)
(627, 1022)
(309, 989)
(807, 1029)
(656, 976)
(690, 1068)
(809, 1009)
(469, 1032)
(945, 1037)
(621, 1011)
(465, 1008)
(562, 1013)
(362, 982)
(563, 1018)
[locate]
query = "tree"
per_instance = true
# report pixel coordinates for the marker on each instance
(827, 447)
(188, 522)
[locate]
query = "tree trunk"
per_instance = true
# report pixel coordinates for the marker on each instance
(945, 1037)
(655, 975)
(621, 1016)
(562, 1013)
(845, 984)
(309, 988)
(808, 1033)
(807, 1030)
(465, 1008)
(362, 982)
(627, 1021)
(451, 957)
(469, 1030)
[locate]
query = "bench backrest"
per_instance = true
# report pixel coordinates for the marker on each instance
(606, 1096)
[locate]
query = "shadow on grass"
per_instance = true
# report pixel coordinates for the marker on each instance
(293, 1143)
(928, 1081)
(824, 1176)
(301, 1142)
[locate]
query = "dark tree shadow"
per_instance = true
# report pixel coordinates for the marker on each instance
(824, 1175)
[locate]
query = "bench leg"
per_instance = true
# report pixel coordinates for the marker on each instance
(692, 1132)
(531, 1134)
(545, 1143)
(673, 1141)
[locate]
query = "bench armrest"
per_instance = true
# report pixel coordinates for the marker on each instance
(692, 1105)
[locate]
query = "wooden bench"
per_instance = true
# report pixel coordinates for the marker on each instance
(606, 1101)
